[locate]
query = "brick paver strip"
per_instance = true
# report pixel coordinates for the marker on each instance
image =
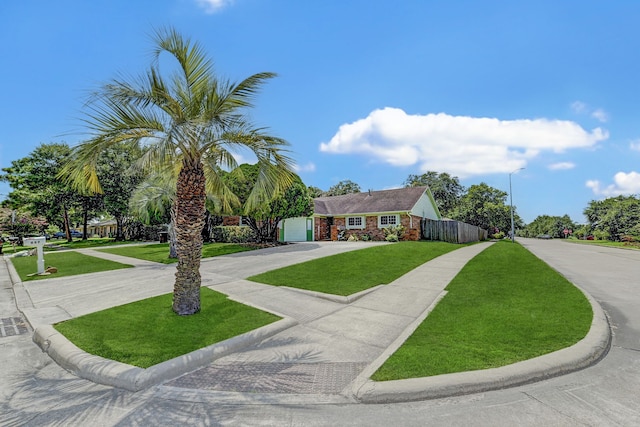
(300, 378)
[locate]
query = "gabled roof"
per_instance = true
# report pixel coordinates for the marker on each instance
(397, 200)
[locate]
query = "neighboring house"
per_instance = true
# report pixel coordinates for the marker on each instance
(364, 213)
(233, 220)
(104, 228)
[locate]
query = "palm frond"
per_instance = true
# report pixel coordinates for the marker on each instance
(243, 93)
(196, 67)
(217, 191)
(154, 195)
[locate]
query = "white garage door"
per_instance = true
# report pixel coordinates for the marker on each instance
(295, 229)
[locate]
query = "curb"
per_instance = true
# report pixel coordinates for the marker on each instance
(586, 352)
(133, 378)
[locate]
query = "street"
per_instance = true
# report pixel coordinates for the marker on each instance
(35, 391)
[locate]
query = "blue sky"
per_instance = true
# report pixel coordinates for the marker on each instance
(369, 90)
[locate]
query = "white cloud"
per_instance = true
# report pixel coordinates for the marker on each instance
(213, 6)
(635, 145)
(599, 114)
(561, 166)
(309, 167)
(579, 107)
(624, 183)
(463, 146)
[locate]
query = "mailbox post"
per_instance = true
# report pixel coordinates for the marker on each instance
(38, 242)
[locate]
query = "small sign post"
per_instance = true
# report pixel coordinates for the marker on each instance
(38, 242)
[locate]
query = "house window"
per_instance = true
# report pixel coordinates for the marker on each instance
(355, 222)
(388, 221)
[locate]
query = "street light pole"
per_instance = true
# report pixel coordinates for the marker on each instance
(513, 234)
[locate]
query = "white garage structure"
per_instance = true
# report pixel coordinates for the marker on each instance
(296, 229)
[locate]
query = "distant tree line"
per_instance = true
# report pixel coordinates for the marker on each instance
(615, 218)
(41, 202)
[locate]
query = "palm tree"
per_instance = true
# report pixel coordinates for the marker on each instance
(194, 121)
(153, 197)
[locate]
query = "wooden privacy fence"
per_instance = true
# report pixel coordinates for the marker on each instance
(451, 231)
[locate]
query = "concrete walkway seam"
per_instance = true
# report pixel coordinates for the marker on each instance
(335, 298)
(353, 390)
(588, 351)
(132, 378)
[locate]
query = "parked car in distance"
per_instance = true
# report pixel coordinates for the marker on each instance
(544, 236)
(62, 234)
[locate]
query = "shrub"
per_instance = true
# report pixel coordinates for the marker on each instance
(391, 238)
(393, 233)
(233, 234)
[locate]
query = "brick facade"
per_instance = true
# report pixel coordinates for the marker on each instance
(321, 229)
(229, 221)
(412, 228)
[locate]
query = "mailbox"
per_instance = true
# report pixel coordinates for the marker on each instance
(38, 242)
(34, 241)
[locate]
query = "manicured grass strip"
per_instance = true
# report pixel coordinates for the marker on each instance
(351, 272)
(147, 332)
(607, 243)
(159, 252)
(89, 243)
(155, 252)
(67, 263)
(505, 306)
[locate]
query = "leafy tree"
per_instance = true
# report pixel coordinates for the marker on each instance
(191, 119)
(90, 206)
(614, 217)
(118, 179)
(36, 188)
(554, 226)
(294, 201)
(315, 192)
(446, 189)
(485, 207)
(343, 187)
(20, 224)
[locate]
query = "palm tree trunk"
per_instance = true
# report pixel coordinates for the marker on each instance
(189, 211)
(171, 229)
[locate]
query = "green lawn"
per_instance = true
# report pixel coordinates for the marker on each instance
(147, 332)
(57, 244)
(505, 306)
(89, 243)
(352, 272)
(608, 243)
(159, 252)
(68, 264)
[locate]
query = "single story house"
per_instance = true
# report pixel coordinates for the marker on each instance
(363, 213)
(102, 228)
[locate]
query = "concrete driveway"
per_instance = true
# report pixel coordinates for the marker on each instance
(35, 391)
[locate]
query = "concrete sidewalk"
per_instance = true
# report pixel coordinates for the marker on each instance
(324, 350)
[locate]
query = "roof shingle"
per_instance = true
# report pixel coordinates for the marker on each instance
(397, 200)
